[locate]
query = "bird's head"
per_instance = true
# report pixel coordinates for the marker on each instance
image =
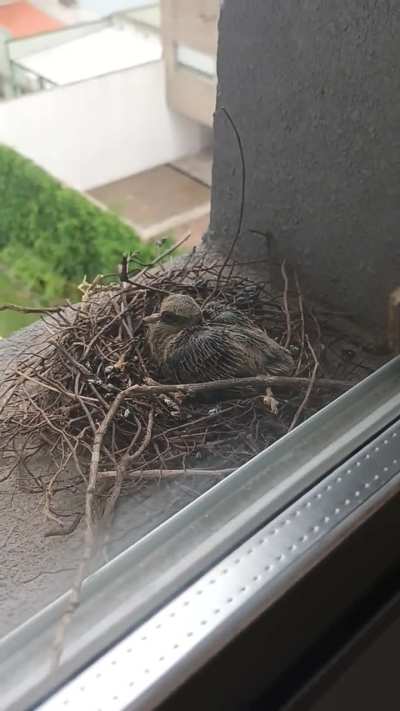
(177, 312)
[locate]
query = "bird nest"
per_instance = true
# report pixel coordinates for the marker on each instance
(91, 410)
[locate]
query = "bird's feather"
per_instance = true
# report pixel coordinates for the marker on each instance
(222, 351)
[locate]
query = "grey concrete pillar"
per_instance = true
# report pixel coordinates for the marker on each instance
(313, 87)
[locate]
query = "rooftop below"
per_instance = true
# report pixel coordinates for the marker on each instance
(110, 49)
(21, 19)
(157, 201)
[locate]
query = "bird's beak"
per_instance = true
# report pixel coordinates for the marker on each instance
(153, 318)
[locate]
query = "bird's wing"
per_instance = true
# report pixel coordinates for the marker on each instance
(231, 316)
(217, 312)
(266, 356)
(208, 354)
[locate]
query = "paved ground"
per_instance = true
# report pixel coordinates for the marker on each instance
(157, 201)
(197, 166)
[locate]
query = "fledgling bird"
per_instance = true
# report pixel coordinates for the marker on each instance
(188, 349)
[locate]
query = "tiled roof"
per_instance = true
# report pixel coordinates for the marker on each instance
(22, 20)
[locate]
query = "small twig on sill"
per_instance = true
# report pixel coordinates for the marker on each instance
(166, 473)
(273, 381)
(32, 309)
(311, 384)
(286, 304)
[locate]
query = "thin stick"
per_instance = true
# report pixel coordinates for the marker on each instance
(158, 259)
(126, 460)
(286, 304)
(166, 473)
(89, 538)
(169, 251)
(273, 381)
(67, 530)
(39, 381)
(309, 389)
(32, 309)
(81, 368)
(242, 205)
(301, 311)
(95, 460)
(243, 189)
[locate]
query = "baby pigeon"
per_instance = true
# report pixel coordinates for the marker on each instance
(188, 349)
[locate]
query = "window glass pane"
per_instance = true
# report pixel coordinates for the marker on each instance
(199, 292)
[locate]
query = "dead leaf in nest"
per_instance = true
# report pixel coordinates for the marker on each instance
(172, 405)
(179, 397)
(270, 402)
(149, 381)
(120, 364)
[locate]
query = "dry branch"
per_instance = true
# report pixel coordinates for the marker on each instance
(32, 309)
(275, 381)
(167, 473)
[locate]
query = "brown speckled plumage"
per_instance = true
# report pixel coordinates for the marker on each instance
(188, 349)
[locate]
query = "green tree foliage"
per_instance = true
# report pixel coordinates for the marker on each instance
(51, 236)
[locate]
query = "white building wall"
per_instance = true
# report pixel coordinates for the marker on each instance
(98, 131)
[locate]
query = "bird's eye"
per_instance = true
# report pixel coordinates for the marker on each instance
(168, 317)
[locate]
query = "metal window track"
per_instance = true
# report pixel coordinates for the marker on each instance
(191, 550)
(139, 672)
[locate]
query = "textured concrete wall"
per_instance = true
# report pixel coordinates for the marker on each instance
(313, 87)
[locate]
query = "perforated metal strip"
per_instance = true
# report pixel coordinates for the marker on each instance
(132, 674)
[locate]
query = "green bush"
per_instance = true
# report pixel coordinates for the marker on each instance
(51, 236)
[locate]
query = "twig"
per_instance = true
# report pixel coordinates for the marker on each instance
(302, 324)
(166, 473)
(286, 304)
(158, 259)
(95, 461)
(309, 389)
(8, 536)
(273, 381)
(32, 309)
(123, 271)
(39, 381)
(126, 460)
(81, 368)
(45, 572)
(242, 205)
(243, 189)
(89, 538)
(66, 530)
